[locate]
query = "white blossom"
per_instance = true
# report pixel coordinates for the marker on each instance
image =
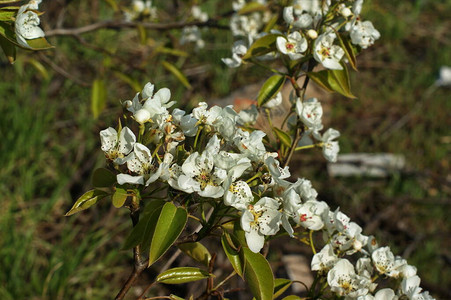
(117, 147)
(310, 112)
(324, 260)
(364, 34)
(27, 22)
(326, 53)
(294, 45)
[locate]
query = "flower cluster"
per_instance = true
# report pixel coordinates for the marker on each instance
(311, 28)
(207, 154)
(27, 23)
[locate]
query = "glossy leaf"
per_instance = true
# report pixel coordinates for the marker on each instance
(177, 73)
(143, 232)
(7, 14)
(333, 81)
(103, 177)
(169, 226)
(232, 254)
(270, 88)
(8, 48)
(196, 251)
(87, 200)
(346, 45)
(262, 46)
(284, 137)
(271, 23)
(39, 44)
(119, 197)
(258, 274)
(182, 275)
(174, 297)
(280, 286)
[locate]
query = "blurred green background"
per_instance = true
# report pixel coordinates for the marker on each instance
(49, 142)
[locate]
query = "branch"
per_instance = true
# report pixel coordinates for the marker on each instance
(116, 25)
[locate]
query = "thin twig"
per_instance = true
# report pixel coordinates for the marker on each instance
(61, 71)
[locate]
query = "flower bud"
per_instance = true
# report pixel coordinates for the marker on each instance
(127, 104)
(345, 12)
(142, 116)
(312, 34)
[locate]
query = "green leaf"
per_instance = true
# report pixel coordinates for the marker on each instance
(251, 7)
(103, 178)
(349, 50)
(292, 297)
(39, 67)
(197, 251)
(177, 73)
(113, 5)
(232, 254)
(174, 297)
(170, 225)
(119, 197)
(6, 14)
(284, 137)
(270, 88)
(262, 46)
(39, 44)
(258, 274)
(87, 200)
(8, 48)
(143, 232)
(182, 275)
(9, 1)
(271, 23)
(333, 81)
(98, 97)
(280, 286)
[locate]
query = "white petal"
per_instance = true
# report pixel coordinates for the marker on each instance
(108, 139)
(163, 95)
(255, 240)
(125, 178)
(142, 116)
(126, 141)
(142, 153)
(147, 91)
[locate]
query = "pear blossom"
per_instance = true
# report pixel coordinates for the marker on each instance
(364, 34)
(324, 260)
(305, 190)
(310, 214)
(238, 195)
(259, 220)
(326, 53)
(310, 112)
(294, 45)
(186, 122)
(329, 146)
(248, 116)
(117, 147)
(384, 294)
(140, 163)
(291, 202)
(343, 280)
(238, 50)
(251, 144)
(274, 102)
(27, 22)
(297, 18)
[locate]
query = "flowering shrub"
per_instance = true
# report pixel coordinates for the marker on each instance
(215, 166)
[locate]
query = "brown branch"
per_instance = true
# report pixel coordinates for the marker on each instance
(115, 24)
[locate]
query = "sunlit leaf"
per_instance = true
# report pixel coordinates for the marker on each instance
(262, 46)
(197, 251)
(133, 83)
(182, 275)
(87, 200)
(177, 73)
(174, 297)
(39, 67)
(232, 254)
(258, 274)
(333, 81)
(280, 286)
(270, 88)
(251, 7)
(98, 97)
(292, 297)
(119, 197)
(39, 44)
(169, 226)
(345, 44)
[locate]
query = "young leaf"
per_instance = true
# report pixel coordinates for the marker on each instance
(119, 197)
(143, 232)
(258, 274)
(270, 88)
(251, 7)
(232, 254)
(280, 286)
(87, 200)
(9, 49)
(182, 275)
(284, 137)
(349, 51)
(39, 44)
(292, 297)
(196, 251)
(103, 178)
(333, 81)
(169, 226)
(6, 14)
(177, 73)
(262, 46)
(98, 97)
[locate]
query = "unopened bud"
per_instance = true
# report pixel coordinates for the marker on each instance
(312, 34)
(142, 116)
(127, 104)
(345, 12)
